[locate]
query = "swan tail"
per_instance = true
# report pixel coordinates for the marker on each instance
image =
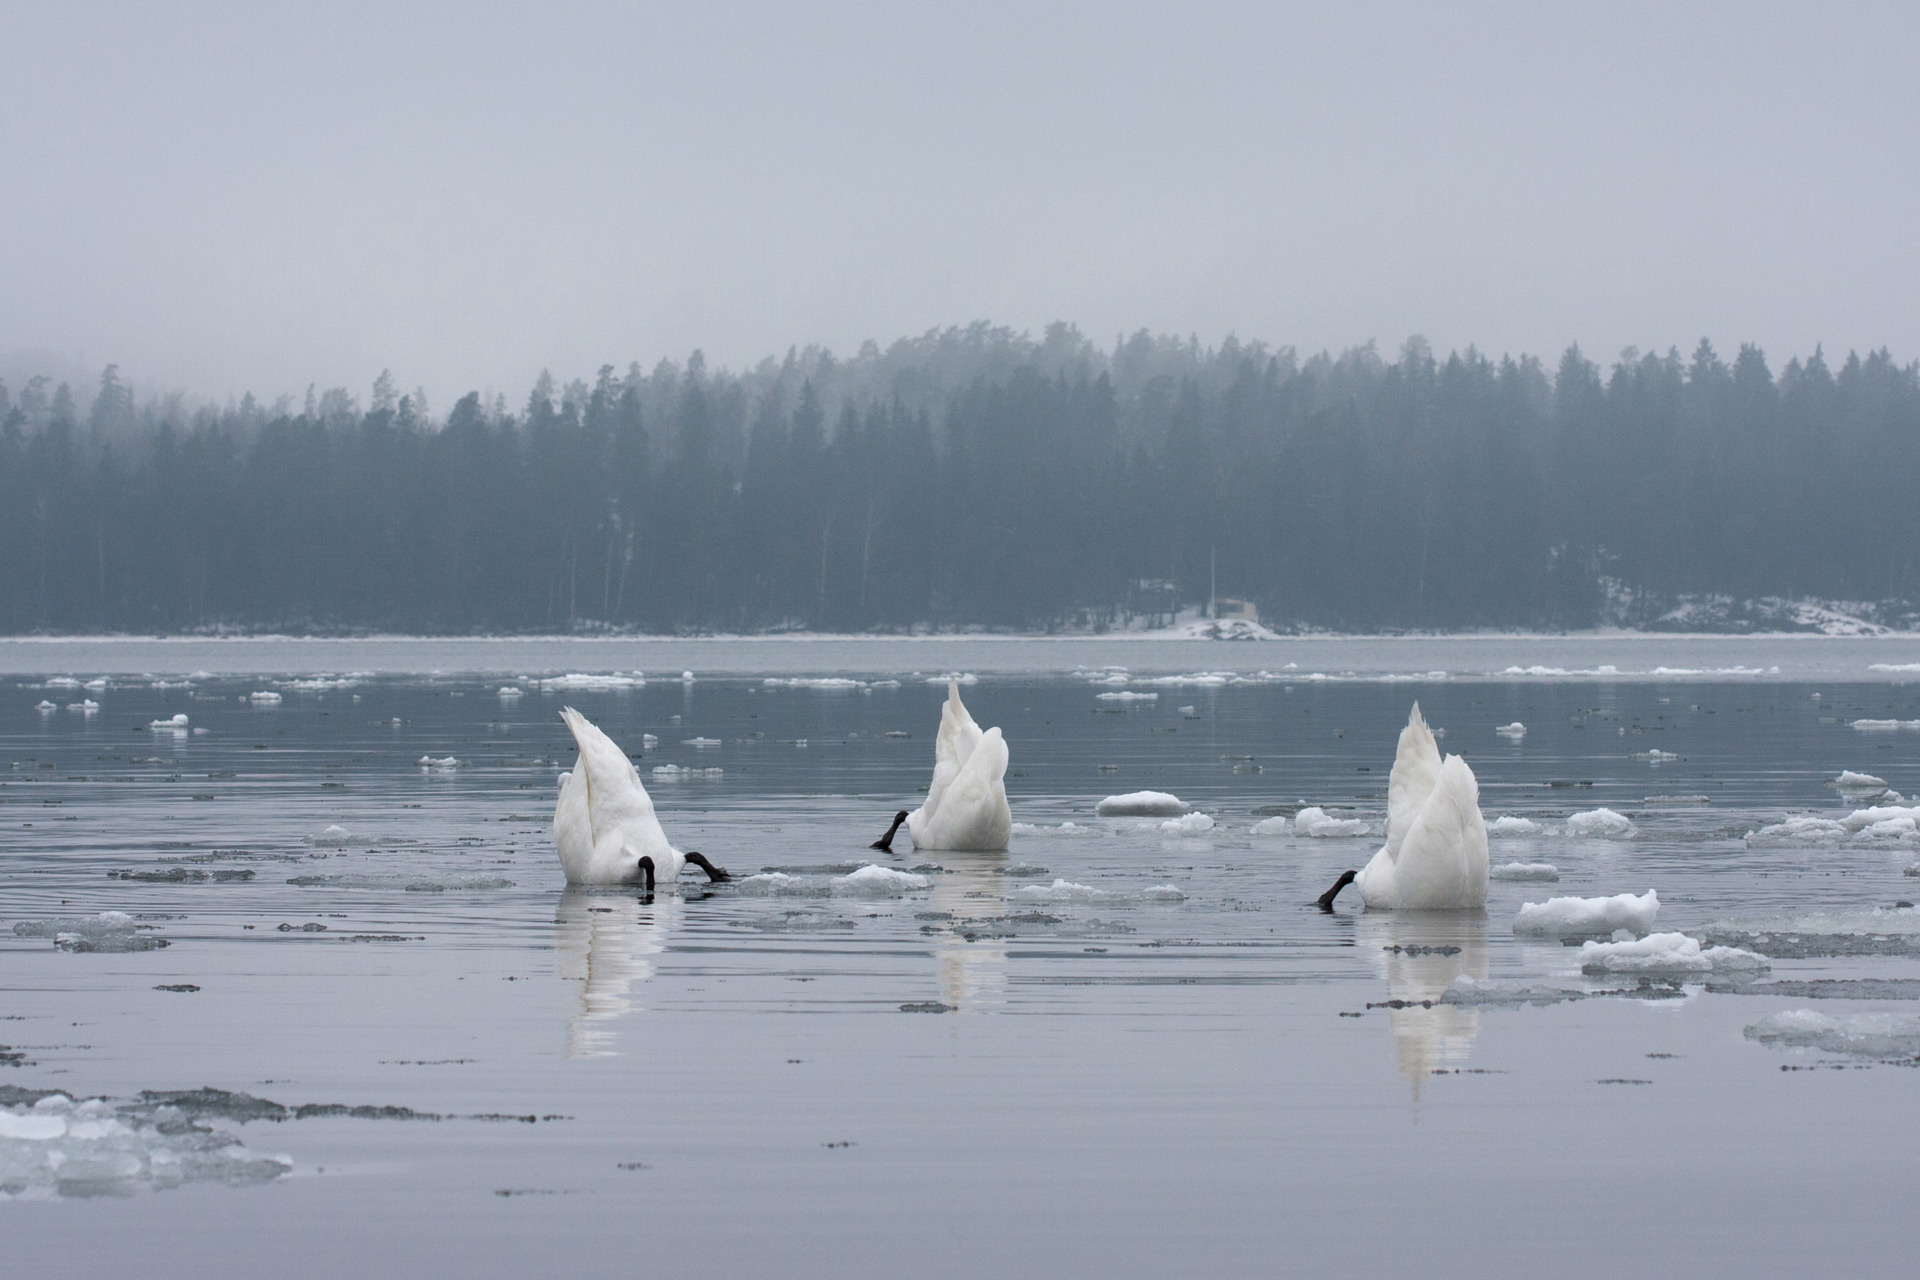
(1416, 769)
(973, 813)
(1443, 860)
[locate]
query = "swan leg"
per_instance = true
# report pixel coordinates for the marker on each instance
(1325, 900)
(643, 874)
(714, 874)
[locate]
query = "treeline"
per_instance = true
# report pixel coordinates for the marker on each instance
(974, 477)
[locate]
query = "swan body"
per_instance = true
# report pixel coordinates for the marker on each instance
(1435, 857)
(604, 824)
(966, 805)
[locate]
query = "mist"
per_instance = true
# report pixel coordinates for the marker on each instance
(220, 199)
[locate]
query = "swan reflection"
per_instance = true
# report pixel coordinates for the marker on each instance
(604, 942)
(1419, 954)
(973, 975)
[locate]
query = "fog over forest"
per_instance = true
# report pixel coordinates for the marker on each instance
(978, 477)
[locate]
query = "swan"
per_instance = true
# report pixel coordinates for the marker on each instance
(604, 824)
(966, 806)
(1435, 857)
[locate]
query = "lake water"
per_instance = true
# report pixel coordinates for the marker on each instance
(1115, 1050)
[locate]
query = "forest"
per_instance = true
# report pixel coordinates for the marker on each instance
(974, 477)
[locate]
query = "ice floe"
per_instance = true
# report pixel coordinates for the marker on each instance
(445, 764)
(1516, 730)
(1655, 756)
(1577, 917)
(872, 881)
(1525, 871)
(813, 682)
(1508, 825)
(1064, 829)
(109, 931)
(955, 677)
(1602, 824)
(674, 771)
(1059, 891)
(323, 684)
(1863, 819)
(508, 692)
(1862, 783)
(1794, 832)
(1872, 1035)
(1666, 954)
(400, 880)
(56, 1147)
(1125, 695)
(175, 724)
(1886, 726)
(1321, 825)
(1163, 893)
(1142, 804)
(264, 698)
(1275, 826)
(1191, 824)
(46, 708)
(580, 681)
(1469, 990)
(700, 743)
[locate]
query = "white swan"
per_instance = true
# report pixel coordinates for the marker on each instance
(604, 823)
(966, 806)
(1435, 857)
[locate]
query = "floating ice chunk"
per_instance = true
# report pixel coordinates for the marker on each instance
(401, 880)
(177, 724)
(46, 708)
(702, 743)
(508, 692)
(1469, 990)
(1655, 756)
(777, 884)
(1115, 678)
(1189, 713)
(1525, 871)
(1142, 804)
(61, 682)
(1507, 825)
(674, 771)
(814, 682)
(1667, 953)
(955, 677)
(442, 765)
(1320, 824)
(1191, 824)
(1163, 893)
(1872, 1035)
(321, 684)
(1126, 695)
(1516, 731)
(1885, 726)
(1902, 829)
(1894, 666)
(1673, 800)
(1602, 824)
(593, 683)
(1865, 783)
(337, 837)
(264, 698)
(1202, 679)
(686, 677)
(648, 742)
(1797, 832)
(879, 882)
(1575, 917)
(1861, 819)
(104, 923)
(1276, 826)
(57, 1148)
(1058, 891)
(1064, 829)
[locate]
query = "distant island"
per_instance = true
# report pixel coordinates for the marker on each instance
(980, 479)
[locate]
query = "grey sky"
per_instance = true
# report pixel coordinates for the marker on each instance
(227, 197)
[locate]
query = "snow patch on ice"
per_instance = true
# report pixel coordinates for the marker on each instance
(1667, 953)
(1142, 804)
(1574, 917)
(1603, 824)
(1525, 871)
(872, 881)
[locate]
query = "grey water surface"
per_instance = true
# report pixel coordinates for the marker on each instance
(1115, 1050)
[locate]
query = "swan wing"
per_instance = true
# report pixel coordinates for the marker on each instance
(619, 810)
(573, 826)
(1416, 768)
(1443, 857)
(973, 813)
(954, 746)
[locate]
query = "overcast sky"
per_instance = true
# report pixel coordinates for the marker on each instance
(233, 197)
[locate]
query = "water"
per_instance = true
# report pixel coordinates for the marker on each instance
(998, 1074)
